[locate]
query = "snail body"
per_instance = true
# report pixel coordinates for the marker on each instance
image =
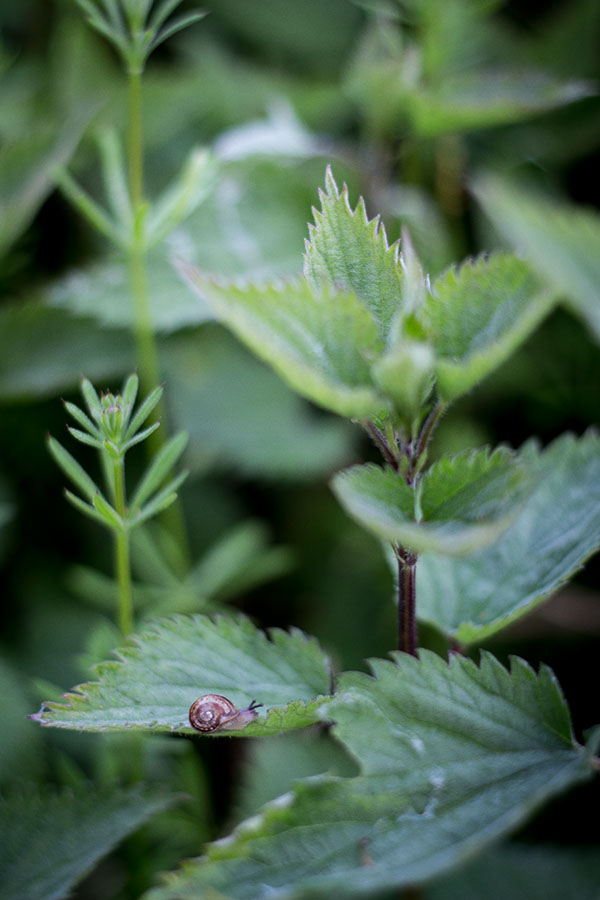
(213, 712)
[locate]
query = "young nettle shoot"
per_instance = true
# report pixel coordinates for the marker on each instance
(113, 427)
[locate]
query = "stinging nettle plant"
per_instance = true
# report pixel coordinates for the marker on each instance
(452, 755)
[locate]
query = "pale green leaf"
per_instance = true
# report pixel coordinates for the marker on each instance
(463, 502)
(452, 756)
(72, 469)
(549, 540)
(478, 315)
(159, 468)
(166, 669)
(49, 842)
(561, 242)
(319, 343)
(351, 253)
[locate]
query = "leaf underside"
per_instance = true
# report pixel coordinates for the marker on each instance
(163, 671)
(452, 757)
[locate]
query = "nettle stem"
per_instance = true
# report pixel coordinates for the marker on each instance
(407, 597)
(122, 559)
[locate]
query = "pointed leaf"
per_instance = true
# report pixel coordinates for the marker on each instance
(87, 509)
(464, 502)
(351, 253)
(83, 420)
(318, 343)
(49, 842)
(166, 669)
(146, 407)
(477, 316)
(561, 242)
(159, 468)
(453, 757)
(160, 501)
(549, 540)
(72, 468)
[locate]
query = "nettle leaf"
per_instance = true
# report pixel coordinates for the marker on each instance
(477, 315)
(350, 253)
(48, 842)
(163, 671)
(463, 502)
(318, 342)
(561, 242)
(453, 757)
(548, 541)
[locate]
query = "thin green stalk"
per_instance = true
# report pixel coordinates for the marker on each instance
(145, 340)
(122, 561)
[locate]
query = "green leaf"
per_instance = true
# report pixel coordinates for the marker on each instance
(213, 385)
(477, 316)
(349, 252)
(549, 540)
(166, 669)
(484, 98)
(452, 756)
(72, 468)
(59, 347)
(561, 241)
(524, 872)
(318, 343)
(49, 842)
(159, 468)
(463, 502)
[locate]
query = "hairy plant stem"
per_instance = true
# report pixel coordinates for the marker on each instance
(122, 561)
(407, 596)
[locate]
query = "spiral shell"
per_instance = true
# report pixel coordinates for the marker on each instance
(213, 712)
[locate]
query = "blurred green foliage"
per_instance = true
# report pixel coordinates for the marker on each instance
(410, 101)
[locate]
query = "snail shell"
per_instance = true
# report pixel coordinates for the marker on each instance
(213, 712)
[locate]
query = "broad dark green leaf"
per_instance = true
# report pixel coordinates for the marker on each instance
(477, 315)
(351, 253)
(463, 502)
(48, 842)
(319, 343)
(549, 540)
(453, 756)
(164, 670)
(561, 242)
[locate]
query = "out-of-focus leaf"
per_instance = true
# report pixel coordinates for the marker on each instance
(452, 756)
(48, 842)
(26, 173)
(463, 502)
(219, 392)
(483, 99)
(549, 540)
(44, 351)
(478, 315)
(524, 872)
(561, 242)
(166, 669)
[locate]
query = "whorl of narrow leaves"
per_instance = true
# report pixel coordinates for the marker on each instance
(549, 540)
(462, 502)
(164, 670)
(452, 756)
(49, 842)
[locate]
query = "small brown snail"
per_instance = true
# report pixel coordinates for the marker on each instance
(212, 712)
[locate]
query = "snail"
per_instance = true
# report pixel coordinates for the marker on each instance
(212, 712)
